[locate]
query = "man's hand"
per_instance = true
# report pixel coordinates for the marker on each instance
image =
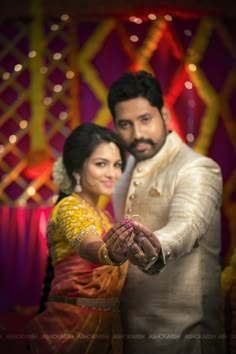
(145, 249)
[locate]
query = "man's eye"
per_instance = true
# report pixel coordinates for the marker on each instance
(123, 125)
(146, 119)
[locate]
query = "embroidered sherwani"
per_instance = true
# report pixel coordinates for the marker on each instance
(177, 194)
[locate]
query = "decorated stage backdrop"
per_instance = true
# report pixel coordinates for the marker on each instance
(55, 73)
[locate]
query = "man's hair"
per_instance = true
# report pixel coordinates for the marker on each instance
(133, 85)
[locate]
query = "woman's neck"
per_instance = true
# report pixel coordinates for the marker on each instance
(93, 201)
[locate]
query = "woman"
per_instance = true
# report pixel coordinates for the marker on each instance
(82, 309)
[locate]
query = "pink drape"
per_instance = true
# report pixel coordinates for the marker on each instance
(23, 254)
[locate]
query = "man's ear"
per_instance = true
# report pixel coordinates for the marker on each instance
(165, 114)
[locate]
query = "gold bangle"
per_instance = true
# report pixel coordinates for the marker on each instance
(104, 257)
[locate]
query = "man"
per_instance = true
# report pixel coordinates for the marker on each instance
(171, 298)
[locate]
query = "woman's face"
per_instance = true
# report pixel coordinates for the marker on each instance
(101, 171)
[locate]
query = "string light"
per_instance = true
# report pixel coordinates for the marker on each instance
(168, 18)
(132, 18)
(134, 38)
(31, 191)
(192, 67)
(138, 21)
(190, 137)
(54, 27)
(152, 17)
(57, 88)
(6, 75)
(188, 85)
(32, 54)
(12, 139)
(70, 74)
(23, 124)
(43, 70)
(21, 202)
(47, 101)
(57, 56)
(187, 33)
(65, 17)
(18, 67)
(63, 115)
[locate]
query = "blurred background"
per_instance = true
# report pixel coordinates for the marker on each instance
(57, 61)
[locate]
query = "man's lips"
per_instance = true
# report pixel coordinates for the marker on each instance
(141, 146)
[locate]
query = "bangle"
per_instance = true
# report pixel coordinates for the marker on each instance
(104, 257)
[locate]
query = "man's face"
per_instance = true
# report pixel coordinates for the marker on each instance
(141, 127)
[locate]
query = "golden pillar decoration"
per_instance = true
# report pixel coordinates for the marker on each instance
(39, 151)
(74, 100)
(205, 90)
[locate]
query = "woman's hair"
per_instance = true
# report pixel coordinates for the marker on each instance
(133, 85)
(82, 142)
(78, 147)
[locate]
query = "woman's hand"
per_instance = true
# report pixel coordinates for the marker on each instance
(118, 239)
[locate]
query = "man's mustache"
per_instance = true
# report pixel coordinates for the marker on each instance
(146, 141)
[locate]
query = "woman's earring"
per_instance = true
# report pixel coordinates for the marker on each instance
(78, 187)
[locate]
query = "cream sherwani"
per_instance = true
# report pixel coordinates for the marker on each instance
(177, 194)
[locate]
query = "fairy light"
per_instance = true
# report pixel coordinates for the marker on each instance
(132, 18)
(192, 67)
(1, 149)
(57, 88)
(32, 54)
(54, 27)
(57, 56)
(43, 70)
(70, 74)
(65, 17)
(63, 115)
(152, 17)
(138, 21)
(21, 202)
(23, 124)
(31, 191)
(6, 75)
(188, 85)
(47, 101)
(12, 139)
(134, 38)
(168, 18)
(190, 137)
(18, 67)
(187, 33)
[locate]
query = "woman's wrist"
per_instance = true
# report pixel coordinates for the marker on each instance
(104, 257)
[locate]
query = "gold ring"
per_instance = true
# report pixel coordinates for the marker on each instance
(140, 254)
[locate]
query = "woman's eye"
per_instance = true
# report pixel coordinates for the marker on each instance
(118, 165)
(100, 164)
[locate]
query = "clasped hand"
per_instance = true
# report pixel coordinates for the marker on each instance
(133, 241)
